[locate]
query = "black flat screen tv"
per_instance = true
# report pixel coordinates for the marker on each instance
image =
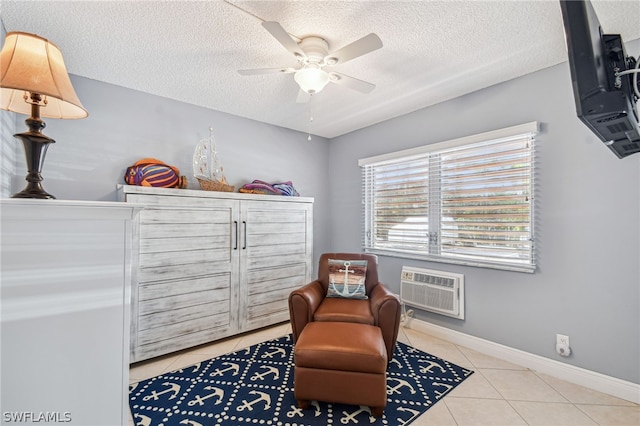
(605, 102)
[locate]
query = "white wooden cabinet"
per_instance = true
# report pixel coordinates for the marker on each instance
(213, 264)
(64, 296)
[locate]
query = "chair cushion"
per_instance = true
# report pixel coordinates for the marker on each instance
(346, 278)
(336, 309)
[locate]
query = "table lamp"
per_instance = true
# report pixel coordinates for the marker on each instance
(34, 81)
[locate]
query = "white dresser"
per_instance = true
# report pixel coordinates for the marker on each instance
(213, 264)
(65, 311)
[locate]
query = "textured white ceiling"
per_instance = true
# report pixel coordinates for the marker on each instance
(191, 50)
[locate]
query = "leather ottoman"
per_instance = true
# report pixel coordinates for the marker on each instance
(343, 363)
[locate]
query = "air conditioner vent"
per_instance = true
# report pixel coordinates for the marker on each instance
(435, 291)
(434, 279)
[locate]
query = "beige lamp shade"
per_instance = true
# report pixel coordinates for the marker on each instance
(30, 63)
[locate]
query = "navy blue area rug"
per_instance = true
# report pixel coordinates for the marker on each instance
(254, 386)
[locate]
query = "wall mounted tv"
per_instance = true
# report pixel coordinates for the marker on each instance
(605, 79)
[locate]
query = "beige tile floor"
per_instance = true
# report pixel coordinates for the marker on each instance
(499, 393)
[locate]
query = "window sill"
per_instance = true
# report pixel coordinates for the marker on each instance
(530, 269)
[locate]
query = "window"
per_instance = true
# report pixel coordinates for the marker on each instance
(467, 201)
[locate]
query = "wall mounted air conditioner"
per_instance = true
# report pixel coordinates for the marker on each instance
(435, 291)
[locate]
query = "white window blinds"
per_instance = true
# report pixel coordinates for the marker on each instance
(466, 201)
(399, 196)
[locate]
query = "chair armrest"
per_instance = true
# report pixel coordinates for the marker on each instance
(303, 303)
(386, 310)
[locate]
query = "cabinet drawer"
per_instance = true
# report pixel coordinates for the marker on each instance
(257, 228)
(172, 258)
(271, 291)
(173, 216)
(180, 315)
(277, 254)
(165, 230)
(268, 312)
(172, 244)
(273, 274)
(276, 239)
(277, 215)
(158, 334)
(183, 300)
(180, 287)
(172, 272)
(180, 342)
(178, 202)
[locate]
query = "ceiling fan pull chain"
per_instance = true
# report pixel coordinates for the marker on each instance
(310, 120)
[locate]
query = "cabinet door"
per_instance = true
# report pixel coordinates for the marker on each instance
(187, 291)
(276, 247)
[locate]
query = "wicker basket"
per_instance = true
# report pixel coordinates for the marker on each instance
(216, 185)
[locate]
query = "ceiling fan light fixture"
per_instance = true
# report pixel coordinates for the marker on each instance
(312, 53)
(311, 79)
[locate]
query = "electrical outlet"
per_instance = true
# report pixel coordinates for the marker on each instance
(562, 345)
(562, 340)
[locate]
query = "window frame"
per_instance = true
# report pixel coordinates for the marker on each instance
(433, 240)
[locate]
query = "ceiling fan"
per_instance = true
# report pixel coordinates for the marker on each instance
(313, 56)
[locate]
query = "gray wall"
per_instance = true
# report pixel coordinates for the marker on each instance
(587, 284)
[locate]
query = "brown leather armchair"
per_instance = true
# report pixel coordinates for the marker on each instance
(381, 309)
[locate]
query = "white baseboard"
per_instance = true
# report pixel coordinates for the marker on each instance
(590, 379)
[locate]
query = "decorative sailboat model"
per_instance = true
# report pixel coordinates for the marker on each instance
(207, 168)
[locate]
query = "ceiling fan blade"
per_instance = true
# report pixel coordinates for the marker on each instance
(267, 71)
(303, 97)
(351, 82)
(351, 51)
(284, 38)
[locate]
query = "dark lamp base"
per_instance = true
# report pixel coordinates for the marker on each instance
(35, 147)
(33, 192)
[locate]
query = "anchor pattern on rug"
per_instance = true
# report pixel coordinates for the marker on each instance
(255, 386)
